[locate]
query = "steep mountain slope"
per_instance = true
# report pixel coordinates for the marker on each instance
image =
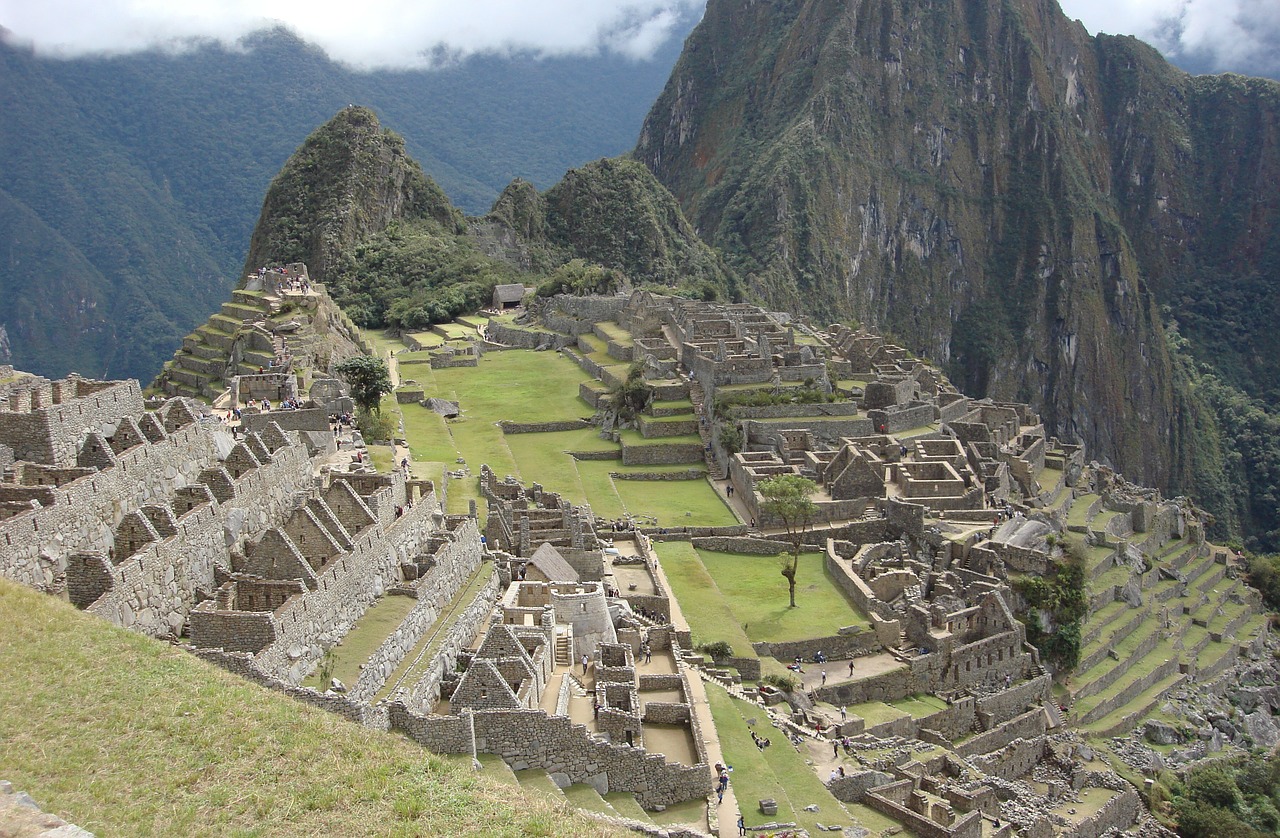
(1005, 193)
(393, 251)
(150, 168)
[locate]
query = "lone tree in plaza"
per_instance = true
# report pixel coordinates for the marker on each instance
(369, 380)
(787, 497)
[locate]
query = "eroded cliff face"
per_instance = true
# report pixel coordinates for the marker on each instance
(982, 179)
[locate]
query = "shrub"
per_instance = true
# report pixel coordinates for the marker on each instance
(719, 650)
(785, 683)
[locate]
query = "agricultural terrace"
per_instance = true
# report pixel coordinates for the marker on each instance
(528, 387)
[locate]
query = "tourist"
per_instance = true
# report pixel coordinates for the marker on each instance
(585, 658)
(742, 825)
(824, 677)
(851, 669)
(844, 714)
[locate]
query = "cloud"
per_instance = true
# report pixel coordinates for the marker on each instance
(368, 34)
(1202, 35)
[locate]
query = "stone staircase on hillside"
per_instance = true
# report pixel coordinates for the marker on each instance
(699, 398)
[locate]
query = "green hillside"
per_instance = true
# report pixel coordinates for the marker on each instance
(124, 735)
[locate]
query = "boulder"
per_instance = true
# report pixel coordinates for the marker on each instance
(1160, 733)
(1262, 729)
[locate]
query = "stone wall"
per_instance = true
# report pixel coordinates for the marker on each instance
(307, 419)
(348, 585)
(1013, 760)
(666, 453)
(1029, 725)
(787, 411)
(543, 427)
(84, 513)
(1120, 812)
(421, 696)
(887, 686)
(532, 739)
(837, 647)
(241, 663)
(1002, 706)
(690, 474)
(45, 423)
(455, 563)
(751, 546)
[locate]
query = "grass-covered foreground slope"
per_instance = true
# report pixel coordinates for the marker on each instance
(124, 735)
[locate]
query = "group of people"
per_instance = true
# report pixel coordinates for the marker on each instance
(761, 742)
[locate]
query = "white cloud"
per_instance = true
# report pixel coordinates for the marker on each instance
(372, 33)
(1211, 35)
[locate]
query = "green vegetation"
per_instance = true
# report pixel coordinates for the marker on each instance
(1064, 593)
(765, 398)
(149, 740)
(787, 497)
(1238, 799)
(726, 597)
(369, 632)
(368, 379)
(779, 771)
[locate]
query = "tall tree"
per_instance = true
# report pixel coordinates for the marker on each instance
(788, 497)
(369, 380)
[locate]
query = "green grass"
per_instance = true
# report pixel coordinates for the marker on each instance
(675, 503)
(778, 772)
(124, 735)
(369, 632)
(519, 384)
(920, 705)
(740, 598)
(756, 593)
(706, 609)
(877, 712)
(1078, 516)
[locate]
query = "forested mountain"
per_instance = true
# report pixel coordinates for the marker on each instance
(129, 185)
(1061, 219)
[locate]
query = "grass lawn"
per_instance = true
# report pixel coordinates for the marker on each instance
(778, 772)
(920, 705)
(369, 632)
(674, 503)
(876, 712)
(517, 384)
(756, 593)
(708, 613)
(124, 735)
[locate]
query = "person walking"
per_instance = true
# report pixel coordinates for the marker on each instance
(824, 677)
(850, 669)
(585, 660)
(742, 826)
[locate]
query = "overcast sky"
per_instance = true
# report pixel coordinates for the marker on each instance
(1242, 35)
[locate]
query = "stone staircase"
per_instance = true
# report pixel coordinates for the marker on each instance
(699, 398)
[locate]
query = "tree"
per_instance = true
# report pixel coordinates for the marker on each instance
(787, 498)
(368, 378)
